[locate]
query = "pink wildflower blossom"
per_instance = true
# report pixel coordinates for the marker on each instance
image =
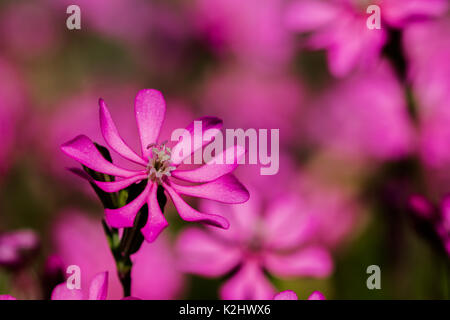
(159, 166)
(339, 26)
(367, 117)
(276, 239)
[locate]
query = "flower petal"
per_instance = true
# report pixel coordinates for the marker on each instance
(288, 223)
(83, 150)
(124, 217)
(6, 297)
(316, 295)
(286, 295)
(156, 221)
(243, 218)
(249, 283)
(188, 140)
(202, 253)
(61, 292)
(309, 262)
(99, 287)
(112, 137)
(115, 186)
(226, 189)
(211, 171)
(150, 109)
(189, 214)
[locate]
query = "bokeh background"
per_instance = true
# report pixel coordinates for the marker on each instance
(364, 121)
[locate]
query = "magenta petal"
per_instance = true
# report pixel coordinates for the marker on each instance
(112, 137)
(202, 253)
(61, 292)
(286, 295)
(288, 223)
(156, 221)
(309, 262)
(249, 283)
(118, 185)
(211, 171)
(150, 109)
(226, 189)
(316, 295)
(208, 124)
(189, 214)
(99, 287)
(84, 151)
(6, 297)
(124, 217)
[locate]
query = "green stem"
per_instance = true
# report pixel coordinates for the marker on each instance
(130, 242)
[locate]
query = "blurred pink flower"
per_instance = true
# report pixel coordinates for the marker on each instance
(337, 212)
(291, 295)
(249, 98)
(252, 30)
(12, 97)
(6, 297)
(28, 28)
(79, 241)
(339, 26)
(17, 248)
(98, 290)
(159, 166)
(428, 50)
(363, 117)
(276, 238)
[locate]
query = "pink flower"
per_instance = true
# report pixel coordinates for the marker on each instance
(80, 241)
(17, 248)
(98, 290)
(428, 49)
(291, 295)
(276, 239)
(340, 27)
(6, 297)
(70, 113)
(336, 210)
(159, 166)
(363, 118)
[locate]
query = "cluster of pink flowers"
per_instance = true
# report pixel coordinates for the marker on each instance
(380, 98)
(339, 26)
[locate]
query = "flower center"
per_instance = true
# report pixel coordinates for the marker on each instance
(159, 164)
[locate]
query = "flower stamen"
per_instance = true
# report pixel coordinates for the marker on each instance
(159, 164)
